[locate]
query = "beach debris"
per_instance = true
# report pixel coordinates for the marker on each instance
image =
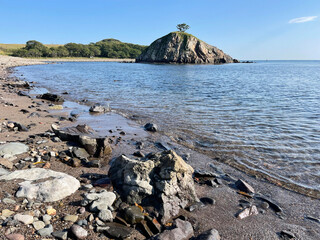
(9, 150)
(98, 108)
(211, 234)
(164, 176)
(51, 97)
(244, 186)
(151, 127)
(54, 187)
(248, 212)
(182, 230)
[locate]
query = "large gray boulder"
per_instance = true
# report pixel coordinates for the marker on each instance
(43, 185)
(180, 47)
(164, 178)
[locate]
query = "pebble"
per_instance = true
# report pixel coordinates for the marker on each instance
(248, 212)
(15, 236)
(38, 225)
(25, 219)
(79, 232)
(105, 215)
(45, 232)
(46, 218)
(8, 201)
(63, 235)
(6, 213)
(70, 218)
(82, 210)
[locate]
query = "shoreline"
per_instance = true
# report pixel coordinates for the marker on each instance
(265, 225)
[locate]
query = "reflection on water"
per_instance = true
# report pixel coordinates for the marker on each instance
(264, 115)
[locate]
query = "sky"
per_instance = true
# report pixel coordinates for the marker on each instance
(244, 29)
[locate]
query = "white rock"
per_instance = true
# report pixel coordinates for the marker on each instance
(57, 186)
(25, 219)
(11, 149)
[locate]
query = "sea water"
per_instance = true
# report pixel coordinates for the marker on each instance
(263, 115)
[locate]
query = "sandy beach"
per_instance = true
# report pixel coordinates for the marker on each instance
(281, 214)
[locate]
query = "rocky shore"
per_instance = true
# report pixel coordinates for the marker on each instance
(62, 179)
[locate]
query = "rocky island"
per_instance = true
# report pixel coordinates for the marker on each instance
(181, 47)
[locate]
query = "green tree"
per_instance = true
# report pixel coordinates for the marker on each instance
(183, 27)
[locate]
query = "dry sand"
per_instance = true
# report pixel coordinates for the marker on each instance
(221, 216)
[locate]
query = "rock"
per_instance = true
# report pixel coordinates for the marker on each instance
(8, 201)
(287, 235)
(12, 149)
(248, 212)
(46, 219)
(51, 97)
(6, 213)
(313, 218)
(105, 215)
(99, 201)
(274, 206)
(207, 200)
(180, 47)
(80, 152)
(195, 206)
(70, 218)
(15, 236)
(133, 215)
(79, 232)
(183, 231)
(118, 231)
(46, 231)
(38, 225)
(58, 186)
(3, 172)
(153, 224)
(138, 154)
(84, 135)
(19, 126)
(151, 127)
(97, 108)
(243, 186)
(211, 234)
(63, 235)
(165, 179)
(25, 219)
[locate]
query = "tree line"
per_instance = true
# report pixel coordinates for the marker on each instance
(108, 48)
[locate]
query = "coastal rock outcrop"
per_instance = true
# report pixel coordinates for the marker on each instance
(180, 47)
(163, 178)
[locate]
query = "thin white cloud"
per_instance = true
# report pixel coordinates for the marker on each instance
(303, 19)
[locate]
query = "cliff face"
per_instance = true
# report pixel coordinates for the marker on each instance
(179, 47)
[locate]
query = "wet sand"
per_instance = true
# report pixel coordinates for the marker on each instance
(221, 216)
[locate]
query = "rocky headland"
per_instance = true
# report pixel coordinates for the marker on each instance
(181, 47)
(62, 179)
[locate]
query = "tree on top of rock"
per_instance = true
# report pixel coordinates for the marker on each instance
(183, 27)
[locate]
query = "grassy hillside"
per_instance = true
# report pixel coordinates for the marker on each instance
(8, 48)
(107, 48)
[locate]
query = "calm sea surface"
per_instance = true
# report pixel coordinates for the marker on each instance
(265, 115)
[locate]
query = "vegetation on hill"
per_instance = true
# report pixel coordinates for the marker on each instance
(108, 48)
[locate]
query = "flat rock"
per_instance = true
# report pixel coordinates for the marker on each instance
(53, 186)
(3, 172)
(97, 108)
(12, 149)
(244, 186)
(70, 218)
(6, 163)
(15, 236)
(105, 215)
(6, 213)
(25, 219)
(118, 231)
(79, 232)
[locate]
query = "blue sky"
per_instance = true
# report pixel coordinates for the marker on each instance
(245, 29)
